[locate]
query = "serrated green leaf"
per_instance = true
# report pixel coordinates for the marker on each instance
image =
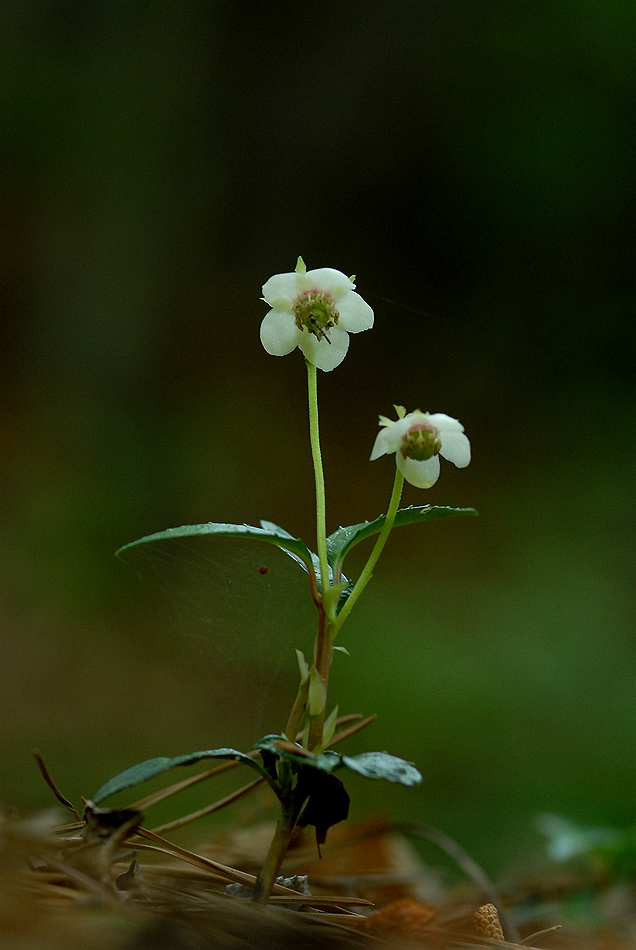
(343, 539)
(345, 594)
(276, 529)
(144, 771)
(269, 743)
(271, 534)
(369, 764)
(280, 747)
(347, 587)
(384, 766)
(325, 761)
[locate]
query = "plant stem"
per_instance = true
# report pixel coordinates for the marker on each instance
(321, 516)
(324, 653)
(367, 571)
(324, 639)
(278, 848)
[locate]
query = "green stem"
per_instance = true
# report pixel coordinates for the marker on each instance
(278, 848)
(323, 640)
(367, 571)
(324, 653)
(321, 515)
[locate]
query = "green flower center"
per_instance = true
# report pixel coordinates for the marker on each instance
(421, 442)
(315, 312)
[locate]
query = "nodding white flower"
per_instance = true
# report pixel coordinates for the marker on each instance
(315, 310)
(418, 439)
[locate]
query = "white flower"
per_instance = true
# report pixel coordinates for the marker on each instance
(315, 310)
(418, 439)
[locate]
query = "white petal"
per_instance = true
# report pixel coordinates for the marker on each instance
(326, 356)
(279, 333)
(417, 417)
(386, 441)
(390, 436)
(456, 448)
(455, 445)
(382, 444)
(355, 313)
(281, 289)
(445, 423)
(421, 474)
(401, 427)
(327, 280)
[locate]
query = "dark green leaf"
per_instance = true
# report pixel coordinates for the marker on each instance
(345, 593)
(382, 765)
(284, 749)
(282, 533)
(325, 761)
(272, 535)
(276, 529)
(370, 764)
(343, 539)
(270, 526)
(144, 771)
(269, 757)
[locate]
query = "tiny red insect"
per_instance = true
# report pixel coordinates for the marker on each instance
(263, 570)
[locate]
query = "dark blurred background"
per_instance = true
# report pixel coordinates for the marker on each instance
(472, 163)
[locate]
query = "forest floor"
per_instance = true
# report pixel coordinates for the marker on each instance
(109, 883)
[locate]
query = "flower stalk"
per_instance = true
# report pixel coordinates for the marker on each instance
(316, 455)
(367, 570)
(324, 639)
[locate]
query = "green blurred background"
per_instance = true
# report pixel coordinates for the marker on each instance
(472, 163)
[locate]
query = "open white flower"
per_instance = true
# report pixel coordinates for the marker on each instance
(418, 439)
(315, 310)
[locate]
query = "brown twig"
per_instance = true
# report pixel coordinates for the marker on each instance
(209, 809)
(540, 933)
(46, 775)
(230, 874)
(352, 730)
(159, 796)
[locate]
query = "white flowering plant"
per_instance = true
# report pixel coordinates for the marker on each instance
(316, 311)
